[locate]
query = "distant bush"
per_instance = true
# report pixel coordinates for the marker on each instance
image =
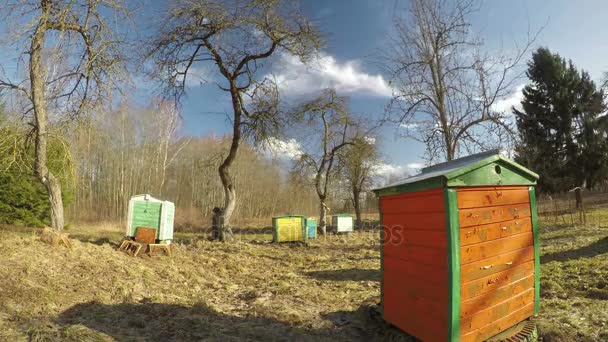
(23, 200)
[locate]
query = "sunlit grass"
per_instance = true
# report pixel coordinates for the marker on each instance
(255, 289)
(574, 276)
(251, 289)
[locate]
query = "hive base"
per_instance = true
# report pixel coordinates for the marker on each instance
(523, 332)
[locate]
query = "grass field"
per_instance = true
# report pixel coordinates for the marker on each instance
(253, 290)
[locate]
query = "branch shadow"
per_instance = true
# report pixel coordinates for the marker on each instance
(589, 251)
(99, 242)
(368, 320)
(354, 274)
(170, 322)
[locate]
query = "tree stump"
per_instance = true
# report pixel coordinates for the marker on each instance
(55, 238)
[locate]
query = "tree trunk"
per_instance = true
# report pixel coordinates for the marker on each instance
(41, 121)
(53, 187)
(224, 169)
(322, 218)
(357, 205)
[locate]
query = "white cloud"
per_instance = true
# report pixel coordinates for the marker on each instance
(514, 100)
(391, 170)
(370, 140)
(389, 173)
(296, 78)
(283, 149)
(387, 170)
(409, 125)
(415, 166)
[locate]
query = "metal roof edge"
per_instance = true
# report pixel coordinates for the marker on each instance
(479, 164)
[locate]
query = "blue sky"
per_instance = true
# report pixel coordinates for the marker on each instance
(356, 32)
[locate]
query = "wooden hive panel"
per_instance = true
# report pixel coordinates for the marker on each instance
(145, 235)
(414, 263)
(496, 260)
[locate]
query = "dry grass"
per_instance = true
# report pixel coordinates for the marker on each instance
(255, 290)
(244, 291)
(574, 278)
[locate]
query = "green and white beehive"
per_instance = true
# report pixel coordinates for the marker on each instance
(342, 223)
(147, 211)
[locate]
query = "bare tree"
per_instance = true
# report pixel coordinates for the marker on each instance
(166, 121)
(328, 121)
(359, 163)
(445, 86)
(72, 57)
(235, 37)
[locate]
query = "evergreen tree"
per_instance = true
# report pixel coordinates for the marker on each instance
(23, 199)
(559, 127)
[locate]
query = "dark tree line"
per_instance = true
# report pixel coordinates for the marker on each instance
(562, 130)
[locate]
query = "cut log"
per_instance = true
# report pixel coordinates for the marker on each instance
(54, 238)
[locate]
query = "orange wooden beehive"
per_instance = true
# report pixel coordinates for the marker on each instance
(460, 258)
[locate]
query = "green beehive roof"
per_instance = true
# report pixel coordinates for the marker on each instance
(287, 216)
(482, 169)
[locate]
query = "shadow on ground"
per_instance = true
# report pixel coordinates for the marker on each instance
(369, 320)
(98, 241)
(168, 322)
(354, 274)
(589, 251)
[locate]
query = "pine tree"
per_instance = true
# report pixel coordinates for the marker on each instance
(23, 199)
(559, 127)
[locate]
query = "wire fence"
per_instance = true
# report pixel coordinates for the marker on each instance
(562, 209)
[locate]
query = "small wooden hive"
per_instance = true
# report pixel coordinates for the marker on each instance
(460, 257)
(342, 223)
(147, 211)
(311, 226)
(289, 228)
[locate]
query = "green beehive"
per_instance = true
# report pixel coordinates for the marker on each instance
(342, 223)
(150, 212)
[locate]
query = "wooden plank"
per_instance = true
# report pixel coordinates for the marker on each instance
(493, 231)
(418, 202)
(492, 248)
(145, 234)
(487, 197)
(418, 288)
(406, 301)
(398, 235)
(419, 221)
(500, 325)
(491, 298)
(426, 238)
(415, 279)
(412, 271)
(496, 312)
(427, 255)
(499, 263)
(500, 279)
(486, 215)
(423, 255)
(417, 319)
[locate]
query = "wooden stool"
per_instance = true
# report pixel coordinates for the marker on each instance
(166, 248)
(131, 247)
